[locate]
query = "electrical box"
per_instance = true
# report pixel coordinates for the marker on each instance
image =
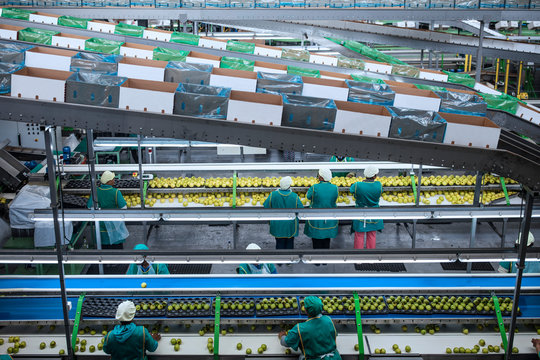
(26, 135)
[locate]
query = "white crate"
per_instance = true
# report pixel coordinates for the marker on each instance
(39, 84)
(270, 51)
(137, 51)
(160, 35)
(323, 60)
(433, 75)
(416, 99)
(9, 32)
(362, 119)
(529, 113)
(254, 108)
(234, 79)
(377, 67)
(69, 41)
(44, 18)
(212, 43)
(49, 58)
(151, 96)
(475, 131)
(142, 69)
(325, 88)
(101, 26)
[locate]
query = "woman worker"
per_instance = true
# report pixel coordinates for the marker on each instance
(322, 195)
(113, 233)
(316, 337)
(146, 268)
(367, 194)
(127, 340)
(530, 266)
(247, 269)
(284, 230)
(342, 159)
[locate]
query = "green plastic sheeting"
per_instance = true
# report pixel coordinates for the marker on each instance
(73, 22)
(460, 78)
(291, 54)
(165, 54)
(241, 46)
(185, 38)
(295, 70)
(20, 14)
(103, 45)
(130, 30)
(503, 102)
(39, 36)
(405, 70)
(366, 79)
(350, 63)
(235, 63)
(365, 50)
(430, 87)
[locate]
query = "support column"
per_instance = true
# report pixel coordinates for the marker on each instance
(422, 58)
(93, 190)
(141, 186)
(479, 59)
(472, 241)
(430, 61)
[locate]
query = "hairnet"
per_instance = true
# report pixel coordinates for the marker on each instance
(126, 311)
(530, 239)
(370, 171)
(253, 246)
(107, 176)
(313, 306)
(285, 183)
(325, 173)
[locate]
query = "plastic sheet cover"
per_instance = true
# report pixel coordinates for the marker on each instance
(405, 70)
(308, 112)
(6, 70)
(503, 102)
(13, 13)
(105, 64)
(366, 79)
(103, 45)
(241, 46)
(467, 4)
(419, 125)
(460, 78)
(370, 93)
(266, 4)
(296, 70)
(201, 101)
(430, 87)
(130, 30)
(72, 21)
(165, 54)
(291, 54)
(371, 53)
(11, 56)
(93, 88)
(29, 198)
(4, 44)
(39, 36)
(228, 62)
(279, 83)
(417, 3)
(185, 38)
(461, 103)
(242, 4)
(351, 63)
(180, 72)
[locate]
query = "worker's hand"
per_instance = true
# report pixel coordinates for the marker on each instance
(536, 344)
(282, 333)
(350, 175)
(156, 337)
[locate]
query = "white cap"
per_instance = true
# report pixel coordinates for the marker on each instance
(126, 311)
(325, 173)
(285, 183)
(530, 240)
(253, 246)
(106, 177)
(370, 171)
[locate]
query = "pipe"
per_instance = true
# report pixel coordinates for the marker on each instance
(506, 76)
(466, 63)
(519, 78)
(497, 74)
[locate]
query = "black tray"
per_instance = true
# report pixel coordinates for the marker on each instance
(396, 301)
(227, 310)
(148, 312)
(276, 311)
(100, 307)
(182, 309)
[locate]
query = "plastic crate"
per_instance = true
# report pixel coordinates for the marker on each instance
(118, 3)
(193, 3)
(442, 4)
(341, 4)
(467, 4)
(292, 3)
(67, 3)
(45, 3)
(94, 3)
(21, 3)
(417, 4)
(491, 4)
(217, 3)
(266, 4)
(316, 3)
(249, 4)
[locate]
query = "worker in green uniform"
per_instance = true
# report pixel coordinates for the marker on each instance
(367, 193)
(315, 337)
(284, 230)
(113, 233)
(247, 269)
(342, 159)
(530, 266)
(322, 196)
(146, 268)
(128, 341)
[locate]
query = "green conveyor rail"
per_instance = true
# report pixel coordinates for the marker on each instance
(500, 321)
(145, 189)
(216, 327)
(413, 184)
(359, 326)
(503, 185)
(234, 190)
(77, 321)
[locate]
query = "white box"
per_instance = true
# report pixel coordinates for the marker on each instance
(39, 84)
(234, 79)
(501, 25)
(255, 108)
(533, 25)
(485, 89)
(69, 41)
(432, 75)
(529, 113)
(137, 51)
(250, 150)
(212, 43)
(9, 32)
(201, 58)
(362, 119)
(270, 51)
(142, 69)
(323, 59)
(325, 88)
(416, 99)
(101, 26)
(155, 34)
(228, 149)
(513, 25)
(269, 68)
(44, 18)
(475, 131)
(335, 76)
(49, 58)
(378, 67)
(144, 95)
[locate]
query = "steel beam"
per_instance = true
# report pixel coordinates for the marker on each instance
(472, 26)
(479, 53)
(515, 123)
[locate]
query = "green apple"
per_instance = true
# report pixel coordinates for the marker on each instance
(239, 346)
(448, 350)
(482, 342)
(248, 351)
(260, 350)
(383, 351)
(356, 347)
(92, 348)
(42, 346)
(173, 341)
(407, 348)
(61, 352)
(100, 346)
(176, 347)
(264, 347)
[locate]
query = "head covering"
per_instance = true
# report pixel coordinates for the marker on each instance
(370, 171)
(107, 176)
(325, 173)
(313, 306)
(125, 311)
(285, 183)
(530, 239)
(253, 246)
(141, 247)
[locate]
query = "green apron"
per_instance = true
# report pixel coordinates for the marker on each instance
(340, 174)
(367, 194)
(243, 269)
(157, 269)
(283, 199)
(134, 348)
(316, 338)
(322, 195)
(109, 198)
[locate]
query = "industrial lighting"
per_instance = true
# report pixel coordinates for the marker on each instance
(97, 216)
(326, 260)
(145, 142)
(370, 216)
(226, 217)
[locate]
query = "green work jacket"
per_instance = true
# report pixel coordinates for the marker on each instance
(158, 269)
(129, 342)
(108, 198)
(316, 338)
(283, 199)
(367, 194)
(339, 173)
(322, 195)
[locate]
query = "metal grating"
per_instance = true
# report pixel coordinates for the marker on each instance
(380, 267)
(190, 269)
(461, 266)
(108, 269)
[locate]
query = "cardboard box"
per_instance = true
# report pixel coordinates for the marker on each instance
(201, 58)
(392, 83)
(270, 51)
(462, 101)
(94, 89)
(416, 99)
(49, 58)
(39, 84)
(156, 34)
(334, 76)
(201, 101)
(433, 75)
(269, 68)
(255, 108)
(9, 32)
(529, 113)
(362, 119)
(137, 51)
(142, 69)
(234, 79)
(485, 89)
(308, 112)
(101, 26)
(420, 125)
(180, 72)
(325, 88)
(476, 131)
(323, 59)
(250, 150)
(377, 67)
(43, 18)
(69, 41)
(212, 43)
(145, 95)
